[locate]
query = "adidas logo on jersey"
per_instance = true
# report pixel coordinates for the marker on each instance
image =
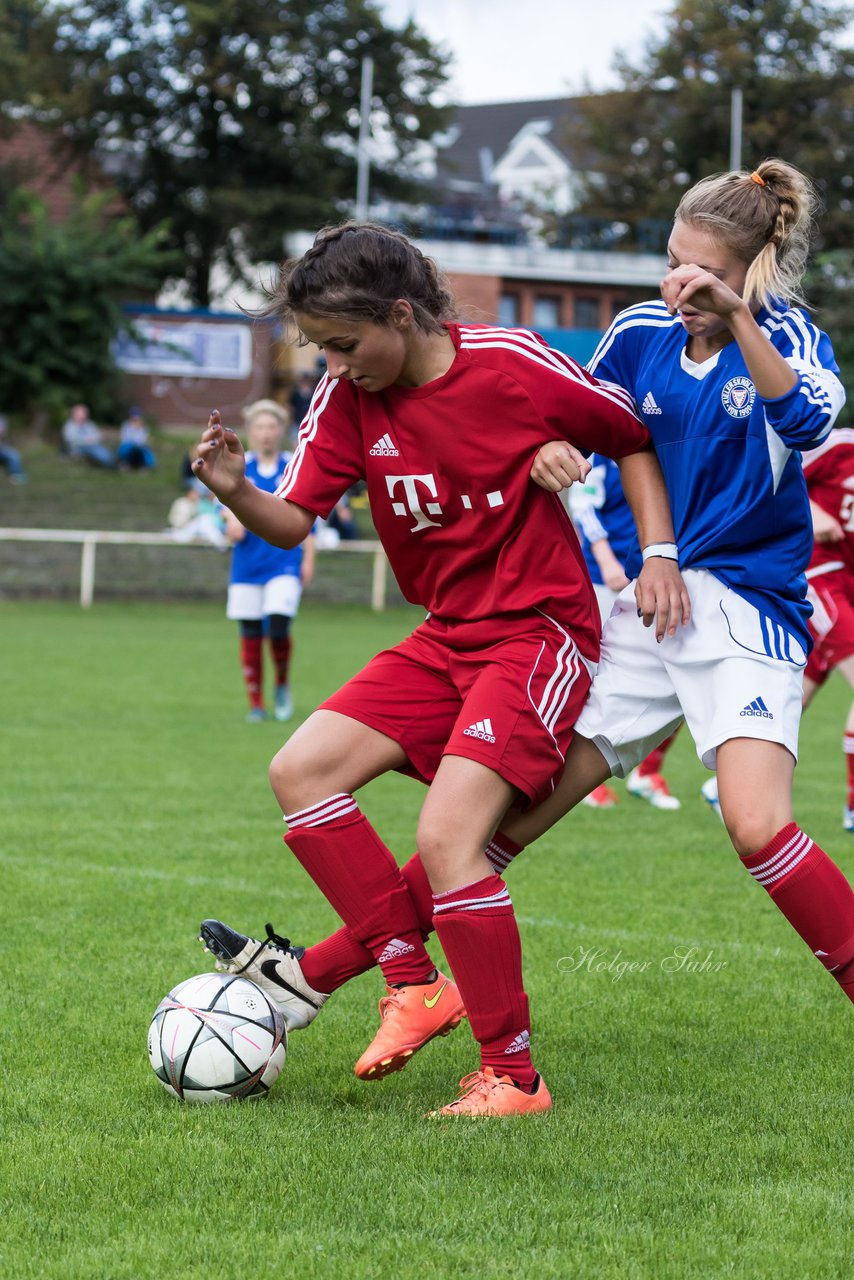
(481, 729)
(649, 405)
(394, 949)
(384, 448)
(757, 708)
(520, 1044)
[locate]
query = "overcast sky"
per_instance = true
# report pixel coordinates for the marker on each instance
(510, 50)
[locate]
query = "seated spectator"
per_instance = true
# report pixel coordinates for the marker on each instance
(342, 520)
(134, 450)
(197, 517)
(82, 439)
(9, 457)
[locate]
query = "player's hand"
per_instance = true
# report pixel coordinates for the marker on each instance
(824, 527)
(662, 597)
(694, 288)
(615, 578)
(220, 463)
(559, 464)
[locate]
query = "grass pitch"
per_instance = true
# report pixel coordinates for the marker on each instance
(699, 1058)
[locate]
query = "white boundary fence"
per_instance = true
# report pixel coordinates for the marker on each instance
(90, 538)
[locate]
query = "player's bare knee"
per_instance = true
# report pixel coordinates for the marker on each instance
(750, 832)
(285, 778)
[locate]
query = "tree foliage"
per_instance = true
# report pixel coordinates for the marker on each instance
(62, 287)
(236, 119)
(830, 289)
(670, 124)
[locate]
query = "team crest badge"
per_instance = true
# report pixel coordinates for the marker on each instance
(737, 397)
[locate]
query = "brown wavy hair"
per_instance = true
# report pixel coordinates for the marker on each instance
(359, 270)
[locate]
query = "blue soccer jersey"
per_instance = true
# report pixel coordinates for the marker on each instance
(600, 510)
(253, 560)
(731, 460)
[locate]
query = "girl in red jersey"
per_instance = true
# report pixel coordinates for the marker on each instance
(829, 473)
(443, 421)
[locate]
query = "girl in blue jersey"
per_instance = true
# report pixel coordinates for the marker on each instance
(733, 381)
(266, 581)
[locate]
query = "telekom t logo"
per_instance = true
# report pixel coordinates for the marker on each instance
(412, 500)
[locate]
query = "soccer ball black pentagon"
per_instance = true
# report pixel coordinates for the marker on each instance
(217, 1037)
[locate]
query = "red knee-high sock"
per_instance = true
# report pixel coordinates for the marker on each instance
(281, 647)
(478, 932)
(330, 963)
(813, 895)
(655, 759)
(357, 874)
(252, 660)
(848, 748)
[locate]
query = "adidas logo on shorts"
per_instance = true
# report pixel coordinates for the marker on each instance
(481, 729)
(394, 949)
(384, 448)
(757, 708)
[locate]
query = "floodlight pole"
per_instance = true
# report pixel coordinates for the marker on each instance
(363, 160)
(736, 113)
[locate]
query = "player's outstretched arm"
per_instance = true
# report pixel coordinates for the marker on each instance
(220, 465)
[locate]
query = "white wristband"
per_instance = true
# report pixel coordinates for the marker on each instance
(667, 550)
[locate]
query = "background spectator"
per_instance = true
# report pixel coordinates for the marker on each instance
(9, 457)
(300, 398)
(134, 449)
(197, 517)
(81, 438)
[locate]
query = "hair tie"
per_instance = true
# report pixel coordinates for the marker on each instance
(760, 181)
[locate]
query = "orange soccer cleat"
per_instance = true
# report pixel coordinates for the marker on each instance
(483, 1093)
(651, 787)
(601, 797)
(411, 1016)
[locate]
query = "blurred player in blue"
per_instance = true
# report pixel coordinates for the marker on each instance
(734, 382)
(266, 582)
(609, 541)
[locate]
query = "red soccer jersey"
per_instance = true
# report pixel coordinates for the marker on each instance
(467, 532)
(829, 473)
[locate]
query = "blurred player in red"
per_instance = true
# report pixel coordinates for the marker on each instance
(442, 420)
(829, 472)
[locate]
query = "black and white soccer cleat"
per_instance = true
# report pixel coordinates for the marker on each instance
(274, 965)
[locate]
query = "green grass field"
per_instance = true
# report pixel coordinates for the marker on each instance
(702, 1123)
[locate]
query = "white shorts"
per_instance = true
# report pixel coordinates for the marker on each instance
(714, 673)
(606, 599)
(250, 601)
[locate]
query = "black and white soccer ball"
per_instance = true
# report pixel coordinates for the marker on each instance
(217, 1037)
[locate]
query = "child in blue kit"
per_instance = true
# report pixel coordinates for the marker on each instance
(266, 582)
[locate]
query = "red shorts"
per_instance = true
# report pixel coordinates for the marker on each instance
(832, 623)
(504, 693)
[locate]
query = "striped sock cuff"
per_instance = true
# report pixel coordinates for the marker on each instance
(488, 894)
(501, 851)
(334, 807)
(787, 853)
(848, 744)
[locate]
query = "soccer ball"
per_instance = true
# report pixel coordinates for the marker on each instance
(217, 1037)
